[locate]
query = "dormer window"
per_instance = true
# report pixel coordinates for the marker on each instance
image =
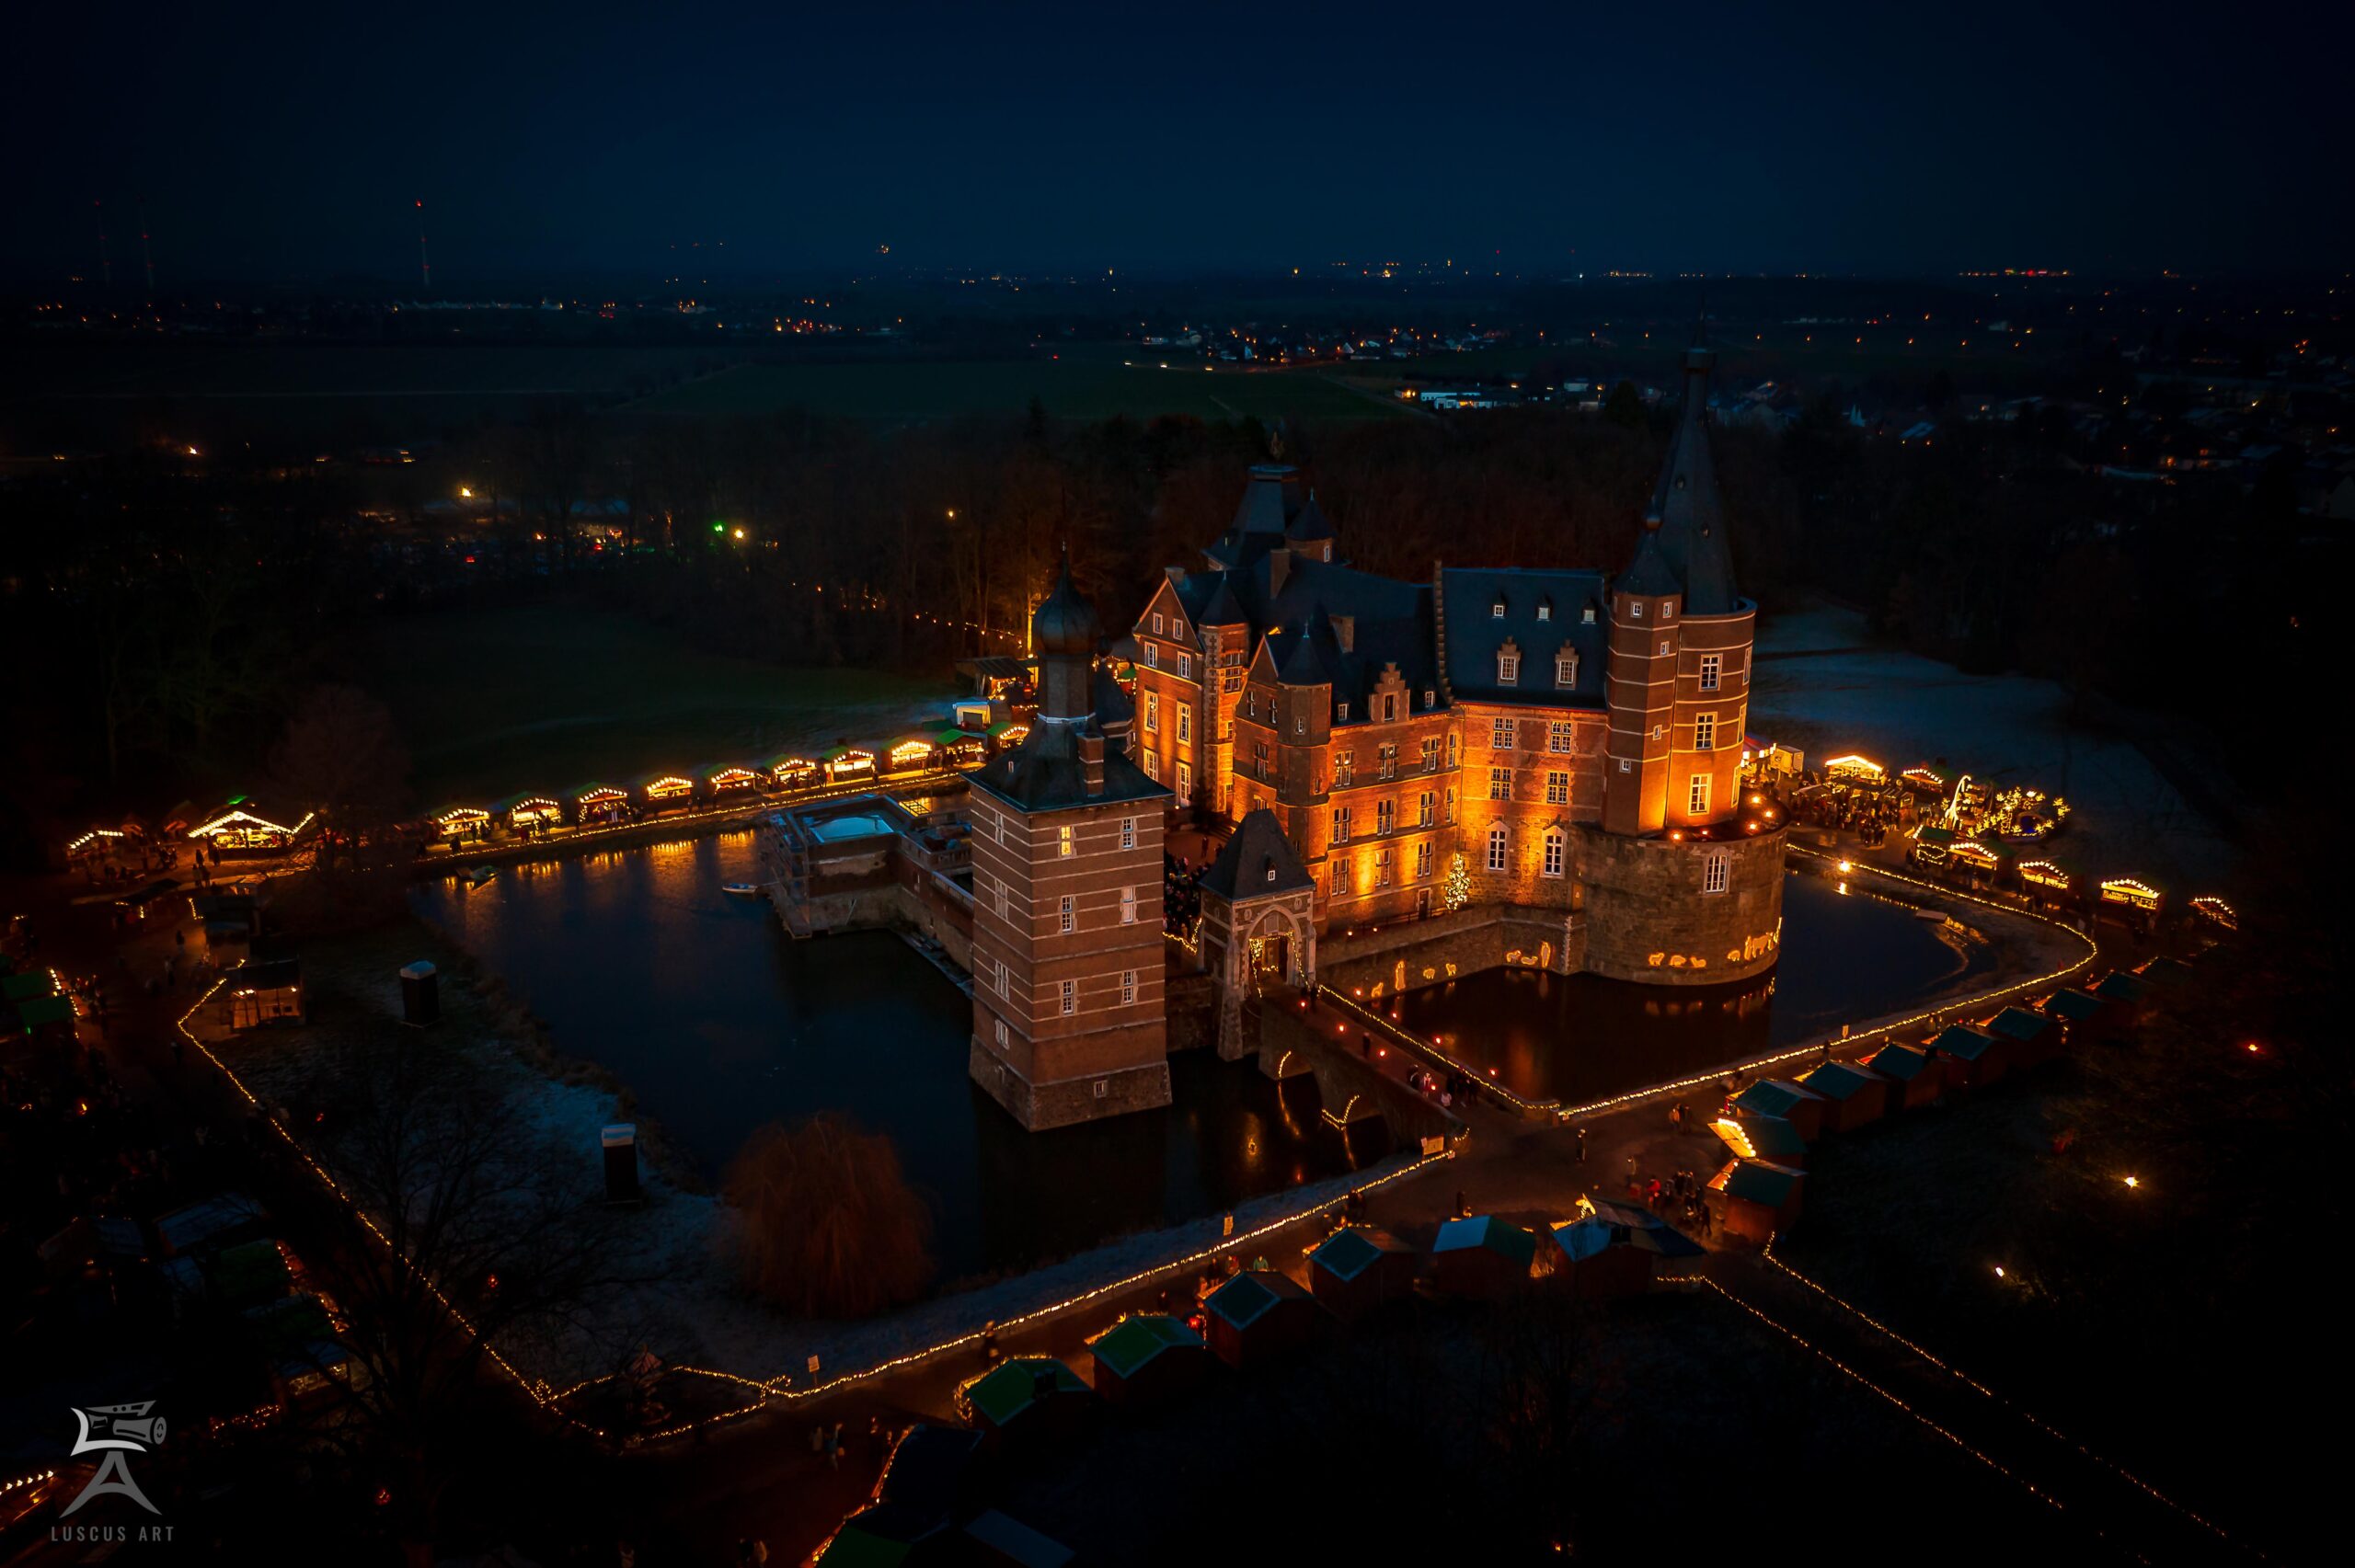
(1565, 670)
(1497, 610)
(1545, 610)
(1344, 711)
(1508, 668)
(1429, 697)
(1587, 614)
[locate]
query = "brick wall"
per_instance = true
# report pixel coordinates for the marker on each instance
(1648, 919)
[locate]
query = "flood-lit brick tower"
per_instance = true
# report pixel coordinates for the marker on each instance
(1068, 1020)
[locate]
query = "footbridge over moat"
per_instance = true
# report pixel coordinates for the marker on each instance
(1359, 1075)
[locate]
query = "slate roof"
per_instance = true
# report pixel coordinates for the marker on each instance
(1839, 1081)
(1964, 1042)
(1251, 1295)
(1013, 1387)
(1474, 633)
(2076, 1006)
(1257, 847)
(1769, 1138)
(1128, 1344)
(1486, 1231)
(1044, 773)
(1583, 1239)
(2121, 986)
(1903, 1063)
(1758, 1181)
(1690, 510)
(1771, 1097)
(2019, 1023)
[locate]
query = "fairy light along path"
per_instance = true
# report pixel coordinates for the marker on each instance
(1976, 1387)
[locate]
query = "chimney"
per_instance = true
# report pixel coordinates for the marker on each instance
(1278, 568)
(1091, 759)
(1175, 574)
(1345, 629)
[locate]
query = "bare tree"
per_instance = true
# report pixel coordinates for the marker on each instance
(342, 758)
(827, 1223)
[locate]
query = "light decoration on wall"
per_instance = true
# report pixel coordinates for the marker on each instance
(461, 818)
(2044, 874)
(670, 786)
(2132, 894)
(92, 837)
(2214, 909)
(601, 795)
(1854, 767)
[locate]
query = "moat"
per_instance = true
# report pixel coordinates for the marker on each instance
(721, 1024)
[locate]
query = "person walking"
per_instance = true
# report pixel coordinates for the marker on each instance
(1582, 1146)
(835, 1446)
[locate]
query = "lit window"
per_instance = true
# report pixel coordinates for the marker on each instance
(1066, 842)
(1497, 610)
(1560, 736)
(1501, 734)
(1716, 869)
(1704, 732)
(1127, 832)
(1340, 877)
(1508, 668)
(1341, 824)
(1186, 781)
(1071, 995)
(1381, 869)
(1499, 783)
(1708, 672)
(1423, 861)
(1423, 809)
(1071, 914)
(1153, 766)
(1557, 789)
(1431, 754)
(1497, 847)
(1586, 616)
(1386, 816)
(1185, 723)
(1128, 987)
(1696, 800)
(1128, 905)
(1565, 670)
(1387, 757)
(1554, 854)
(1152, 713)
(1546, 612)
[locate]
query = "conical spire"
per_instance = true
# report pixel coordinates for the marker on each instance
(1686, 510)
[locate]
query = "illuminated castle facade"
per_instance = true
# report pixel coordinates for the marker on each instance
(1552, 755)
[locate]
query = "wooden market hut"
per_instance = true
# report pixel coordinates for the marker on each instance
(1933, 846)
(724, 782)
(1853, 769)
(1971, 1058)
(1257, 1316)
(44, 1016)
(97, 843)
(526, 812)
(243, 825)
(788, 770)
(2129, 996)
(459, 823)
(1754, 1198)
(596, 805)
(2136, 903)
(1595, 1262)
(884, 1534)
(1147, 1358)
(2164, 973)
(1977, 862)
(1006, 734)
(1777, 1097)
(1027, 1397)
(961, 748)
(2043, 881)
(932, 1467)
(2035, 1037)
(266, 992)
(841, 764)
(1761, 1137)
(2216, 912)
(156, 898)
(1357, 1269)
(908, 754)
(2081, 1016)
(1482, 1257)
(994, 1540)
(1914, 1077)
(1851, 1095)
(661, 791)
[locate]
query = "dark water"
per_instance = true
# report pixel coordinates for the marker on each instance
(1846, 956)
(722, 1023)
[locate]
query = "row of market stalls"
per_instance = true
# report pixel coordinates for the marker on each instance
(713, 786)
(1769, 1127)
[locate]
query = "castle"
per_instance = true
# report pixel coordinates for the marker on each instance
(1535, 767)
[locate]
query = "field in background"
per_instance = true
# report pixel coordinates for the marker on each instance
(545, 697)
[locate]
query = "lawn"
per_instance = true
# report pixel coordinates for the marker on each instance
(1079, 386)
(545, 697)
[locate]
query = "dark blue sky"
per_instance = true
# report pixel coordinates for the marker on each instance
(289, 141)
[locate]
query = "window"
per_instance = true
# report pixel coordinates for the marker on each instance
(1152, 656)
(1696, 799)
(1423, 809)
(1004, 987)
(1259, 758)
(1497, 610)
(1071, 914)
(1152, 713)
(1431, 754)
(1545, 610)
(1385, 816)
(1128, 905)
(1704, 732)
(1451, 803)
(1497, 847)
(1667, 608)
(1071, 997)
(1423, 861)
(1557, 789)
(1342, 712)
(1341, 824)
(1156, 625)
(1185, 667)
(1001, 1023)
(1635, 610)
(1127, 832)
(1344, 764)
(1625, 765)
(1560, 736)
(1501, 734)
(1388, 758)
(1178, 625)
(1185, 723)
(1565, 670)
(1508, 668)
(1186, 782)
(1005, 900)
(1389, 706)
(1382, 869)
(1717, 870)
(1006, 829)
(1499, 783)
(1251, 705)
(1128, 987)
(1451, 747)
(1153, 766)
(1554, 853)
(1067, 842)
(1340, 879)
(1663, 646)
(1708, 672)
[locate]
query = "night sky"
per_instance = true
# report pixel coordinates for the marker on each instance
(290, 142)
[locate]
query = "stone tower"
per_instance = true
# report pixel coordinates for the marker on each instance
(1068, 1019)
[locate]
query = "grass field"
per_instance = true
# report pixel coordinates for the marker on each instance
(1076, 387)
(242, 370)
(543, 697)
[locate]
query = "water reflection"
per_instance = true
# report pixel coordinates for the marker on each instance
(1582, 1037)
(721, 1024)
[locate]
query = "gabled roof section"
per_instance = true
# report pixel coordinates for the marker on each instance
(1044, 773)
(1257, 860)
(1687, 504)
(1475, 633)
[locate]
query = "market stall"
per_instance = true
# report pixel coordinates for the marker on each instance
(598, 804)
(664, 791)
(241, 826)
